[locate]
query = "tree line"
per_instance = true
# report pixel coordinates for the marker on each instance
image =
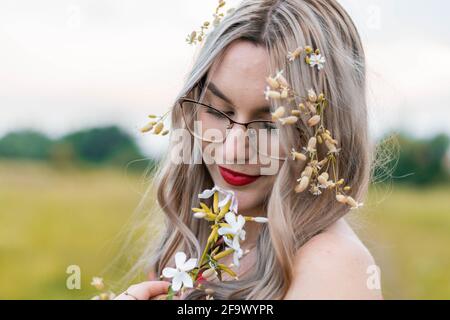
(404, 159)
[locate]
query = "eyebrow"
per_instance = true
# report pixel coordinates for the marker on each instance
(213, 88)
(216, 91)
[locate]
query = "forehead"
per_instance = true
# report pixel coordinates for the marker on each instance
(241, 73)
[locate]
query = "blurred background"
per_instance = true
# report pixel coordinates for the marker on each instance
(78, 79)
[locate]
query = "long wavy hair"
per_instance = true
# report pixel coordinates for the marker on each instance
(279, 26)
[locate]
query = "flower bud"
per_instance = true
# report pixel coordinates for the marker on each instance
(314, 121)
(289, 120)
(341, 198)
(273, 83)
(307, 172)
(148, 127)
(199, 215)
(272, 94)
(298, 156)
(304, 182)
(312, 143)
(209, 274)
(278, 113)
(282, 80)
(312, 108)
(331, 147)
(312, 95)
(260, 219)
(158, 128)
(323, 178)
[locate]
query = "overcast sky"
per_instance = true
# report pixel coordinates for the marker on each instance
(66, 65)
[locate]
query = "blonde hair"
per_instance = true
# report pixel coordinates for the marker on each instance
(279, 26)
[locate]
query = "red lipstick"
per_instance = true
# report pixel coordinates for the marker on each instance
(236, 178)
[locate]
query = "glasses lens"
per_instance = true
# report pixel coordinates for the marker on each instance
(211, 125)
(204, 122)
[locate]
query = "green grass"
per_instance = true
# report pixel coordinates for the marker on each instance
(52, 218)
(408, 231)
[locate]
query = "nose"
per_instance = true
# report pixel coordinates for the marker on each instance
(236, 144)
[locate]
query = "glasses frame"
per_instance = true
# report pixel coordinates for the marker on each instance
(231, 121)
(230, 125)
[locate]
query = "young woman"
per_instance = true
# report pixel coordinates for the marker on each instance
(306, 250)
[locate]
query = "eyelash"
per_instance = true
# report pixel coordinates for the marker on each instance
(231, 114)
(228, 113)
(218, 114)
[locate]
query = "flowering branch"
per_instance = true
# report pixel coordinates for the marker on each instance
(156, 125)
(98, 284)
(198, 36)
(315, 175)
(227, 232)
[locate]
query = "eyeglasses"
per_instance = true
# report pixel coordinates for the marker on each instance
(210, 124)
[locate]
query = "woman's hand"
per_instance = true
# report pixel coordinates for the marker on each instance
(147, 290)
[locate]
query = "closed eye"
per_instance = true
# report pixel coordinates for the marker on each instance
(215, 113)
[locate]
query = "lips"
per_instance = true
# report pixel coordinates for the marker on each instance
(236, 178)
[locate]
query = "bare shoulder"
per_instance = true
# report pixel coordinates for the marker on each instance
(334, 265)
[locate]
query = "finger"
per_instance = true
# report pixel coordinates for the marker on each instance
(124, 296)
(148, 289)
(159, 297)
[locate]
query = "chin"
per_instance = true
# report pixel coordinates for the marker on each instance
(250, 195)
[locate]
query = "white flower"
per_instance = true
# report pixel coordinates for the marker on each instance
(224, 197)
(180, 274)
(97, 282)
(316, 60)
(236, 246)
(315, 190)
(236, 226)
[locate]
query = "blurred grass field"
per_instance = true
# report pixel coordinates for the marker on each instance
(52, 218)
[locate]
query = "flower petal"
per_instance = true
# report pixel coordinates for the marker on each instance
(187, 280)
(224, 197)
(225, 230)
(208, 193)
(224, 200)
(189, 265)
(228, 242)
(169, 272)
(236, 244)
(240, 221)
(230, 218)
(242, 235)
(236, 259)
(177, 281)
(180, 258)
